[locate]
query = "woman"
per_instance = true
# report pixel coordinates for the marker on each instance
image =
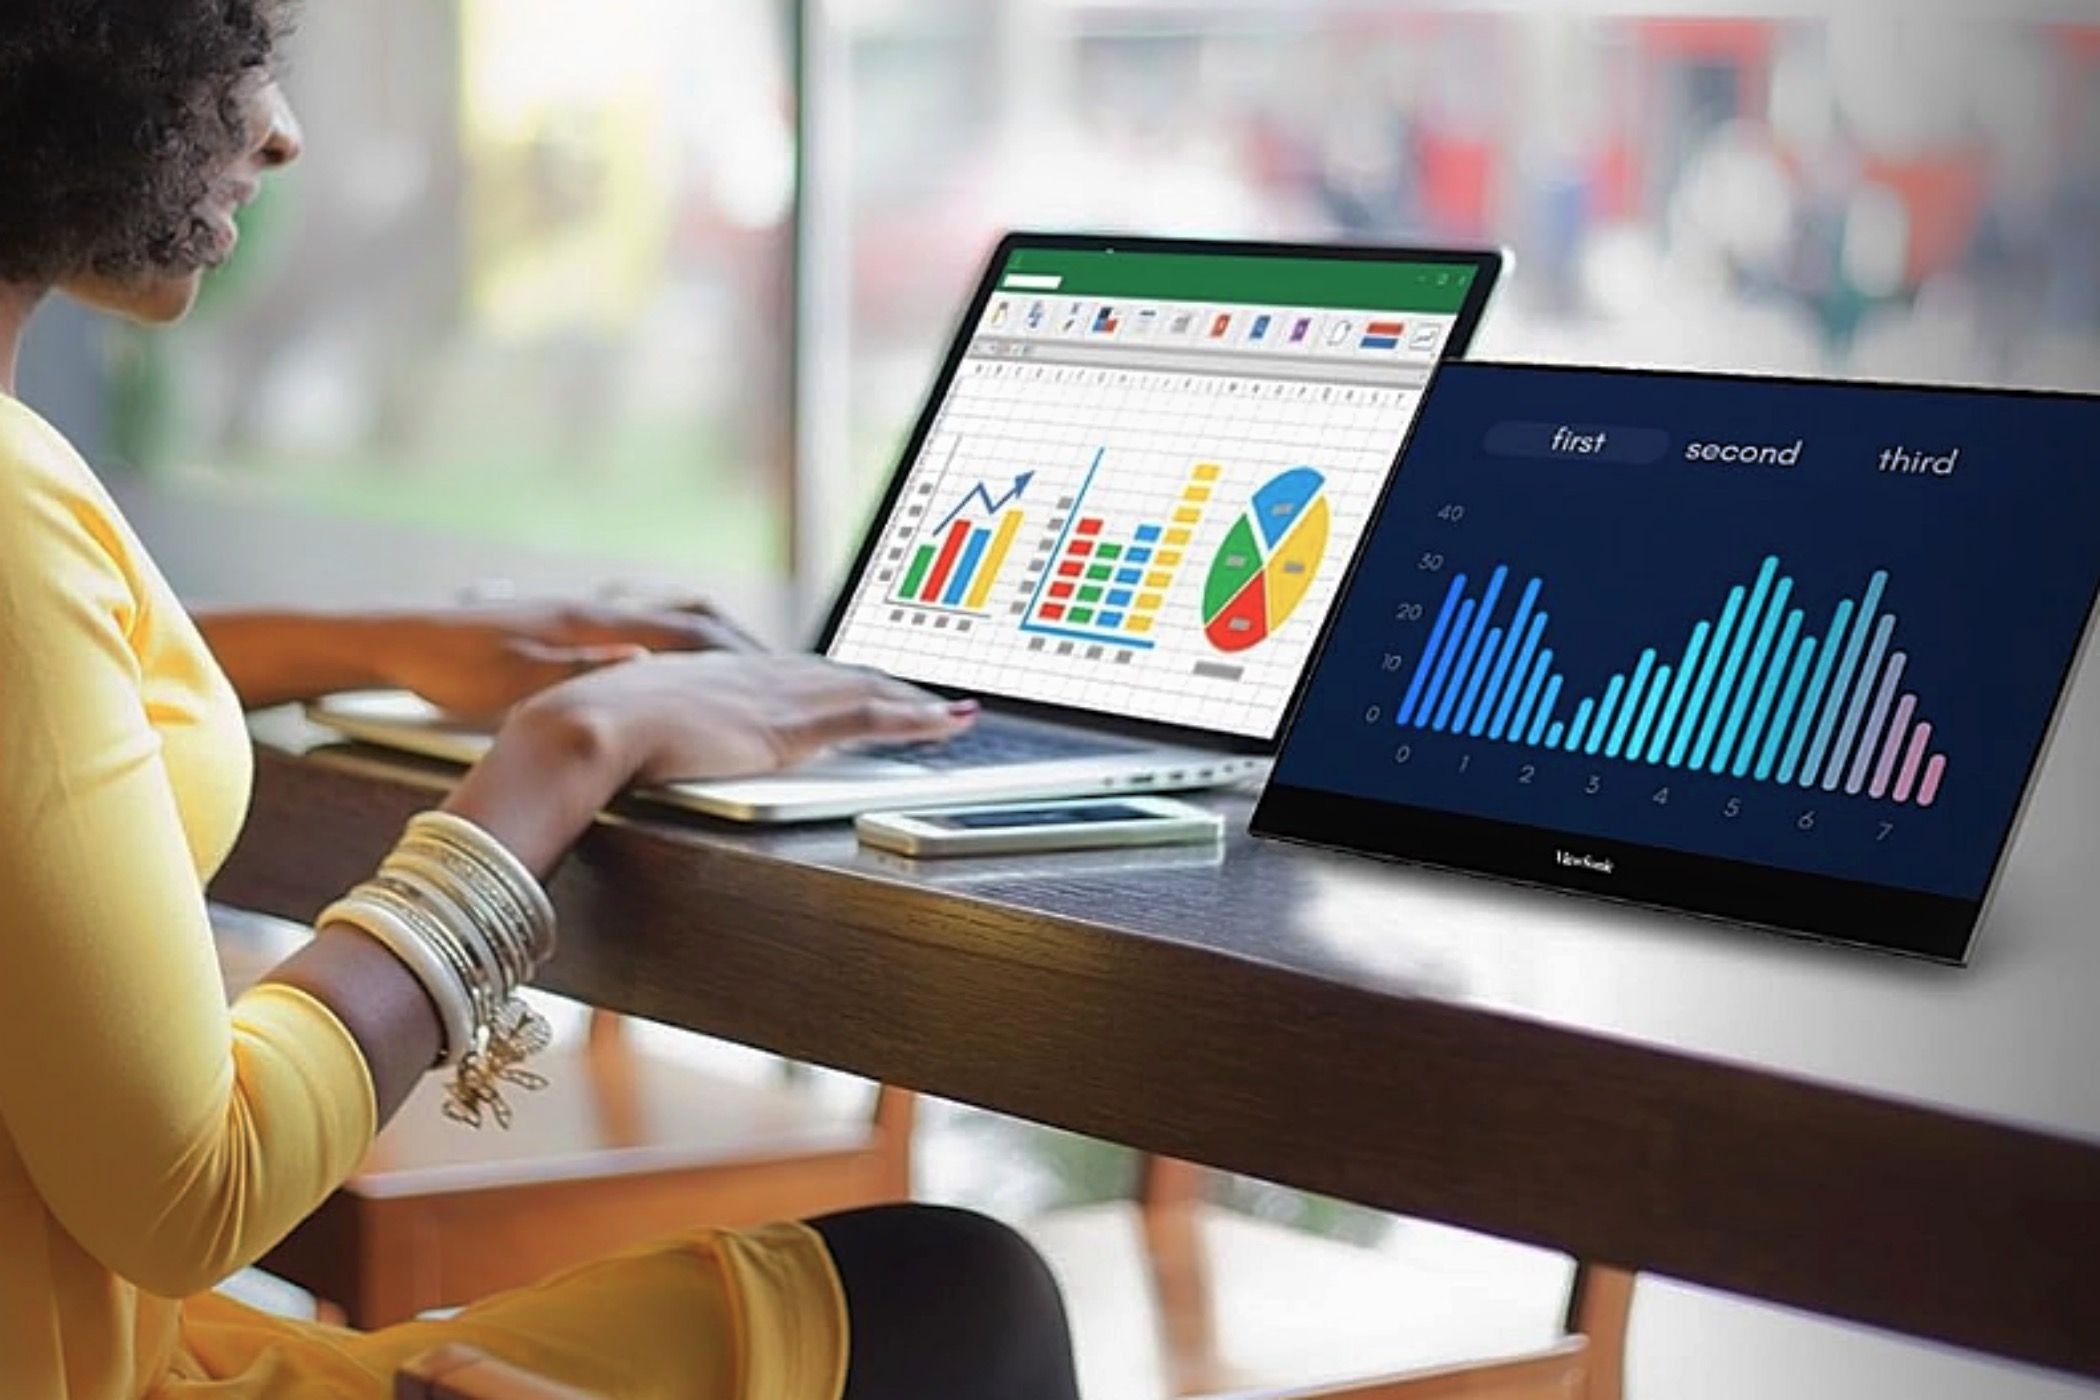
(153, 1141)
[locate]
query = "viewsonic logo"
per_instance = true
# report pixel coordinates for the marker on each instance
(1600, 864)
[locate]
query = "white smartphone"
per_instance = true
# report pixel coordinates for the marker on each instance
(1004, 828)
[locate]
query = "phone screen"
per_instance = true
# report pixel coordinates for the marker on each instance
(1003, 818)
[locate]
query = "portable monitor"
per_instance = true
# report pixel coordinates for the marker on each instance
(1777, 651)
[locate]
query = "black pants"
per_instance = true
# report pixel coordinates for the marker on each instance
(947, 1305)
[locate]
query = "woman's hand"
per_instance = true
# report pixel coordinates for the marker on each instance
(480, 661)
(720, 715)
(562, 755)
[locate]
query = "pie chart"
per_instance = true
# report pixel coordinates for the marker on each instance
(1262, 571)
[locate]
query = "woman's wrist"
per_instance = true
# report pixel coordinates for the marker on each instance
(556, 761)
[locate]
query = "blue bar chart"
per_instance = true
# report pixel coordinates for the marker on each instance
(1750, 693)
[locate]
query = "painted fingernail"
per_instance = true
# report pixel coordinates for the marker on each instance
(962, 708)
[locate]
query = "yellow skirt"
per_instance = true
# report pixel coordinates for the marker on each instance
(717, 1315)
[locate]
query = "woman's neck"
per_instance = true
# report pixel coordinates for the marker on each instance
(17, 305)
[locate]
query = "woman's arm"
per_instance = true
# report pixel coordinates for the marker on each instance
(276, 657)
(474, 661)
(563, 754)
(551, 769)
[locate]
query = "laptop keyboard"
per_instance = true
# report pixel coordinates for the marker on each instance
(995, 746)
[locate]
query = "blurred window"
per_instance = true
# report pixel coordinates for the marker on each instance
(528, 285)
(1884, 191)
(533, 282)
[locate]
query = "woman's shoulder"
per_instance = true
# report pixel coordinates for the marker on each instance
(47, 492)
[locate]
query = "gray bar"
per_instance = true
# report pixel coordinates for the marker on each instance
(1858, 706)
(1217, 671)
(1336, 371)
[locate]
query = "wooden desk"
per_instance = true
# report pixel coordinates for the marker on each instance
(1899, 1144)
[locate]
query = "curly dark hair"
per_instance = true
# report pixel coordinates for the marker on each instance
(115, 116)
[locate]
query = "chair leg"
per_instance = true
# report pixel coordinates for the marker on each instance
(1170, 1194)
(1600, 1304)
(397, 1275)
(896, 1114)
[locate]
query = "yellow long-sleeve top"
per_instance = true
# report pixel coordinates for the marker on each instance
(151, 1140)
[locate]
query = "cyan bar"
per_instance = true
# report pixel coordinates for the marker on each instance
(1582, 722)
(1688, 725)
(1724, 689)
(973, 551)
(1553, 736)
(1833, 638)
(1491, 699)
(1523, 683)
(1841, 683)
(1753, 672)
(1429, 652)
(1633, 700)
(1685, 665)
(1774, 674)
(1656, 692)
(1442, 684)
(1488, 647)
(1870, 738)
(1604, 711)
(1786, 708)
(1545, 709)
(1464, 673)
(1868, 674)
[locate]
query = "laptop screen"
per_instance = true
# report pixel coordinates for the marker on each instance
(1140, 486)
(1780, 651)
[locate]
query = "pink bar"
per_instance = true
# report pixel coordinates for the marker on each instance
(1930, 788)
(1892, 745)
(1912, 759)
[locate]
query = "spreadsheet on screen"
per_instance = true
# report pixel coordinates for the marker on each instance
(1142, 484)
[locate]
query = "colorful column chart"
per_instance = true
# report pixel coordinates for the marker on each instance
(1751, 694)
(954, 566)
(1108, 585)
(1262, 571)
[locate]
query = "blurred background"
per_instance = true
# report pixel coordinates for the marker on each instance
(658, 284)
(648, 291)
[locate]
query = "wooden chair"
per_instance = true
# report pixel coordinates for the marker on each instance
(621, 1147)
(1588, 1363)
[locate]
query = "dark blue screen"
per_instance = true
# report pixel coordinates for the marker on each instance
(1814, 626)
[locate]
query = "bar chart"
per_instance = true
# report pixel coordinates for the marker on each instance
(954, 565)
(1107, 580)
(1751, 693)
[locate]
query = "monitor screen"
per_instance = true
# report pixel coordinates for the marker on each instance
(1780, 651)
(1138, 488)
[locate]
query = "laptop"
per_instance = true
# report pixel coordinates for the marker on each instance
(1780, 652)
(1119, 521)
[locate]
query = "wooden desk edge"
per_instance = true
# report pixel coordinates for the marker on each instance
(1890, 1214)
